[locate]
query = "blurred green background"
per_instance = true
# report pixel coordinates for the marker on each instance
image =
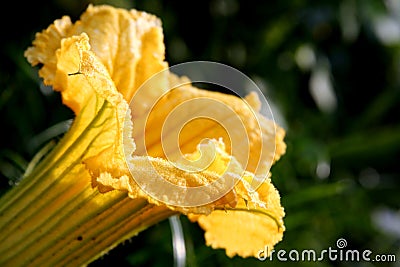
(329, 69)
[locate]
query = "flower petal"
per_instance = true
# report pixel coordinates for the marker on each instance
(86, 91)
(128, 43)
(253, 140)
(240, 232)
(44, 48)
(254, 222)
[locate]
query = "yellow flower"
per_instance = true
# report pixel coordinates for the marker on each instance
(138, 151)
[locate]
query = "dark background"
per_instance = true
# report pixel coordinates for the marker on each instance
(329, 69)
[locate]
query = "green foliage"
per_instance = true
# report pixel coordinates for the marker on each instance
(340, 175)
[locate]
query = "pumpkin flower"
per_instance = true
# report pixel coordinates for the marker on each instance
(138, 151)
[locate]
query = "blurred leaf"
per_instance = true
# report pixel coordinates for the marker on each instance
(314, 193)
